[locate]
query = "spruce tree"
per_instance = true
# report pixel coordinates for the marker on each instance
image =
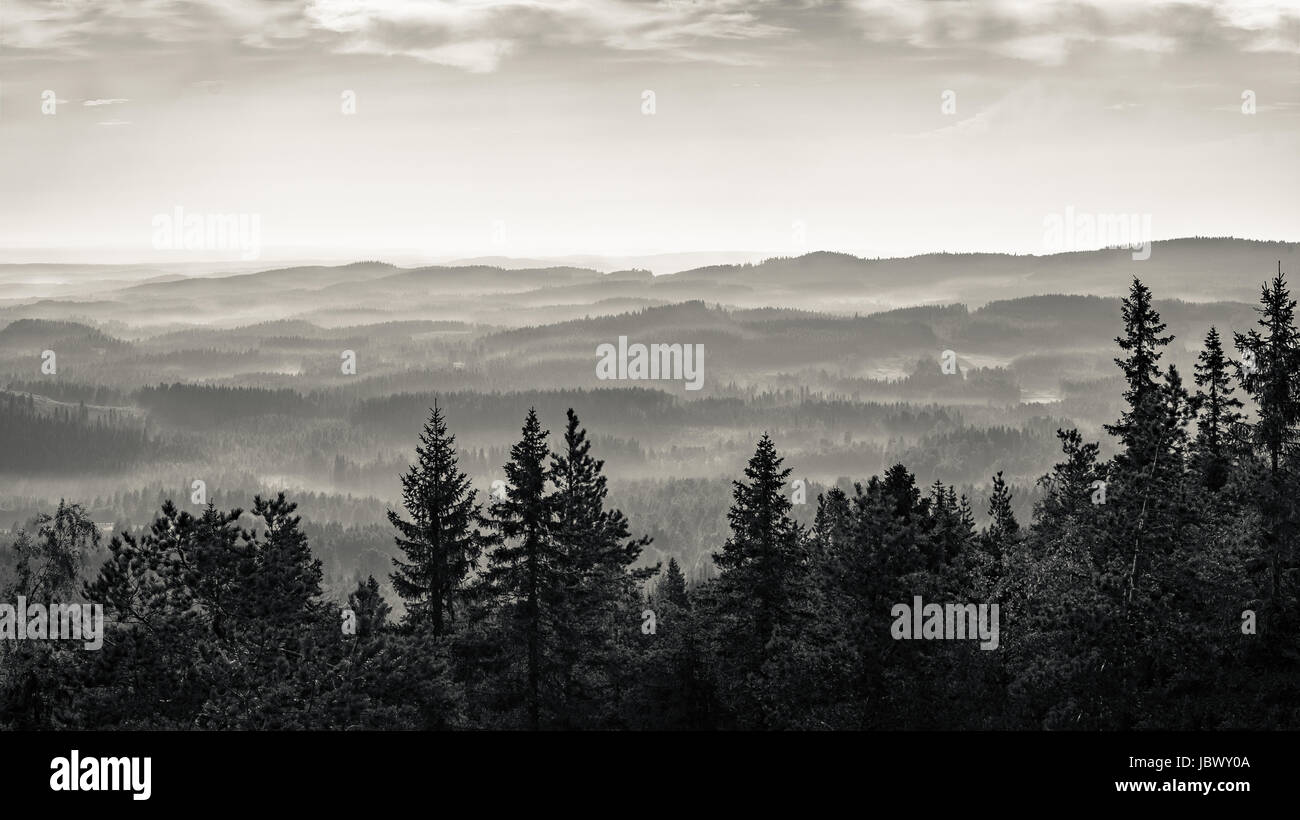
(524, 561)
(1218, 414)
(1146, 476)
(1271, 381)
(1178, 409)
(594, 589)
(441, 543)
(948, 530)
(764, 555)
(1003, 527)
(595, 540)
(832, 526)
(1070, 487)
(760, 600)
(966, 513)
(1142, 341)
(669, 689)
(672, 587)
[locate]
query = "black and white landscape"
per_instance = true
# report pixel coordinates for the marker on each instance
(649, 365)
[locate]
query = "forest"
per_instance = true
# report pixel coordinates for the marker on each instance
(1157, 587)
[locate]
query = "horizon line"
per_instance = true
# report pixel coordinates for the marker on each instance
(570, 260)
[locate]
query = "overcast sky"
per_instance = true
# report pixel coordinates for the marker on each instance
(486, 127)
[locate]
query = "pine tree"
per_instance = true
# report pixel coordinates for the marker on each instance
(1218, 414)
(369, 606)
(441, 542)
(181, 603)
(213, 561)
(284, 579)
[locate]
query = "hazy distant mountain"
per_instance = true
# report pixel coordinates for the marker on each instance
(656, 263)
(363, 292)
(38, 334)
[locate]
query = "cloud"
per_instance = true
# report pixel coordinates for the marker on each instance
(475, 35)
(479, 56)
(1048, 32)
(81, 28)
(479, 35)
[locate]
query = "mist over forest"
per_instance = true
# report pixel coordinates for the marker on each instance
(495, 495)
(238, 380)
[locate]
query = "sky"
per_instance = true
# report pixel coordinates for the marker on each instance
(407, 130)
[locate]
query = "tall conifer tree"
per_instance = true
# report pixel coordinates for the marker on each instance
(1218, 413)
(525, 562)
(764, 554)
(594, 594)
(1270, 373)
(441, 543)
(1142, 341)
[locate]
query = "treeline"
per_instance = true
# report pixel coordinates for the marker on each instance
(1154, 589)
(641, 410)
(136, 508)
(207, 406)
(35, 334)
(396, 414)
(35, 441)
(963, 455)
(97, 394)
